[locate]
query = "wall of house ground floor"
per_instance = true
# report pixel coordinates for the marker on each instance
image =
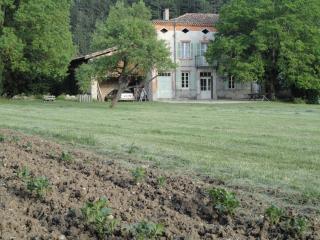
(196, 84)
(101, 90)
(237, 91)
(184, 83)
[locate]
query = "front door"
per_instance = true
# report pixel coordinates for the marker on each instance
(165, 86)
(205, 85)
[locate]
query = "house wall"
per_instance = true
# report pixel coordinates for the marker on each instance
(195, 36)
(240, 91)
(94, 90)
(105, 88)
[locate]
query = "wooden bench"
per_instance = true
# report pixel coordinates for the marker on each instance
(49, 98)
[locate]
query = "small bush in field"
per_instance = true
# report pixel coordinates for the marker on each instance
(299, 101)
(24, 174)
(61, 97)
(161, 181)
(132, 149)
(274, 214)
(223, 201)
(2, 138)
(66, 157)
(293, 225)
(146, 230)
(28, 147)
(297, 225)
(138, 174)
(39, 185)
(98, 215)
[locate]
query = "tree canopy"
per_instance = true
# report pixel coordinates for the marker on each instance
(85, 14)
(129, 29)
(275, 42)
(35, 42)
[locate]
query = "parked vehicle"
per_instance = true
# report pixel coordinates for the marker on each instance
(127, 95)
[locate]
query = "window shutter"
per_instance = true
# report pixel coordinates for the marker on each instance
(179, 50)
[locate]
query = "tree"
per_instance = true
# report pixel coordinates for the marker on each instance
(218, 4)
(85, 14)
(130, 30)
(35, 41)
(276, 42)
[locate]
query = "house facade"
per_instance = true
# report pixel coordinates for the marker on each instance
(188, 37)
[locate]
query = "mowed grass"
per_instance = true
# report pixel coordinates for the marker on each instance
(260, 145)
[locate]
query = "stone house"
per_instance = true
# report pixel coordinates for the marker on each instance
(188, 37)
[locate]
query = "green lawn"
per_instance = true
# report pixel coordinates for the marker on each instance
(271, 145)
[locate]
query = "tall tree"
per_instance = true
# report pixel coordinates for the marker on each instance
(276, 42)
(85, 14)
(35, 41)
(217, 5)
(138, 50)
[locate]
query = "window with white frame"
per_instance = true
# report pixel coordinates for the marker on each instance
(185, 80)
(205, 81)
(231, 84)
(185, 50)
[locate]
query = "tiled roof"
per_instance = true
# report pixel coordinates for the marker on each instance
(194, 18)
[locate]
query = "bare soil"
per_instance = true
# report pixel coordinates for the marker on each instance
(181, 205)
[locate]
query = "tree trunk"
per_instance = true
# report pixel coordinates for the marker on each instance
(123, 84)
(272, 77)
(270, 87)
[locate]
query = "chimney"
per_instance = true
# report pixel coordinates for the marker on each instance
(166, 14)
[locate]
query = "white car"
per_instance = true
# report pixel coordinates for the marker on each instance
(127, 96)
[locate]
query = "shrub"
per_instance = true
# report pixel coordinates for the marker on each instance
(98, 215)
(299, 101)
(28, 147)
(313, 96)
(61, 97)
(223, 201)
(138, 174)
(297, 225)
(84, 75)
(24, 173)
(274, 214)
(146, 230)
(292, 225)
(161, 181)
(66, 157)
(39, 185)
(132, 148)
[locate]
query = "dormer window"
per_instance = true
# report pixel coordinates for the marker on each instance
(164, 30)
(205, 31)
(185, 30)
